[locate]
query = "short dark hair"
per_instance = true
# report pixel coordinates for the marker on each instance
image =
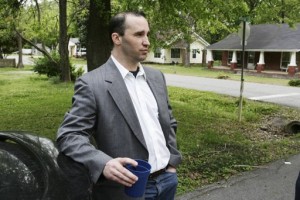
(117, 22)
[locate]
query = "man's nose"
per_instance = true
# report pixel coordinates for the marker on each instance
(146, 41)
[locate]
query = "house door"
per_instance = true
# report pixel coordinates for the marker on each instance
(251, 60)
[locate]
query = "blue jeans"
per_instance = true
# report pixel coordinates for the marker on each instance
(162, 187)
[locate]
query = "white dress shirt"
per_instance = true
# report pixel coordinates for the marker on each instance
(147, 111)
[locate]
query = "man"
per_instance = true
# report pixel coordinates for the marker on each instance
(125, 108)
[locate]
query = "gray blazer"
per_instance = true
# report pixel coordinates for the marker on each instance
(102, 109)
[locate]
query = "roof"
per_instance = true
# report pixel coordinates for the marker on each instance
(263, 37)
(178, 42)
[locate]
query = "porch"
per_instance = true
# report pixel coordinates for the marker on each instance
(254, 72)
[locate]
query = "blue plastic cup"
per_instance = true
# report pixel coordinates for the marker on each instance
(142, 171)
(143, 163)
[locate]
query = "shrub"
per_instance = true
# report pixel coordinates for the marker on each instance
(295, 83)
(44, 66)
(51, 69)
(76, 73)
(221, 76)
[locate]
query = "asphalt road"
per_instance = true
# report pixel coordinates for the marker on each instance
(283, 95)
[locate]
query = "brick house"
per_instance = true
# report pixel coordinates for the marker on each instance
(269, 47)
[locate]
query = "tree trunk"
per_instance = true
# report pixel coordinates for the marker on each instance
(63, 42)
(98, 40)
(187, 62)
(1, 53)
(20, 47)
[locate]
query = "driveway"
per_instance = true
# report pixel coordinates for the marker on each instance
(27, 60)
(275, 181)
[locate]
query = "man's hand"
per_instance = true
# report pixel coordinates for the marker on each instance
(114, 170)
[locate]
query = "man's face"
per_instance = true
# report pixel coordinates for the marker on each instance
(135, 41)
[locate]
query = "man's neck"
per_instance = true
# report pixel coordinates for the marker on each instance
(130, 66)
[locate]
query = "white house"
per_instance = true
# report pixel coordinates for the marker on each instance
(72, 46)
(177, 51)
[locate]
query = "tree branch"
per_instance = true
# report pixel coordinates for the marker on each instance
(43, 51)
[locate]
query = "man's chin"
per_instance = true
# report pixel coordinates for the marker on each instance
(141, 59)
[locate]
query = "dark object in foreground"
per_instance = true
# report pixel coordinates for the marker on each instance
(297, 189)
(28, 168)
(293, 127)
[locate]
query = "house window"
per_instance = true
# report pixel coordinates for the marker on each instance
(157, 53)
(194, 53)
(175, 53)
(285, 59)
(251, 57)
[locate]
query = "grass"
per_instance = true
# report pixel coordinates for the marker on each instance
(214, 144)
(203, 71)
(32, 103)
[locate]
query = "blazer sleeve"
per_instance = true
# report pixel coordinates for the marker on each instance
(73, 136)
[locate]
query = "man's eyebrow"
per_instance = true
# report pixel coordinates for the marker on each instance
(142, 32)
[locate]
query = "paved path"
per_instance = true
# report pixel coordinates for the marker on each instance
(27, 60)
(275, 181)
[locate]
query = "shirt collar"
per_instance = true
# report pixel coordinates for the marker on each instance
(125, 71)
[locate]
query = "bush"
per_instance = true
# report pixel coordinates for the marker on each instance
(51, 69)
(295, 83)
(44, 66)
(76, 73)
(222, 76)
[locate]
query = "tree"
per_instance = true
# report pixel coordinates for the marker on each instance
(20, 47)
(80, 13)
(19, 14)
(63, 42)
(10, 12)
(7, 38)
(212, 19)
(283, 11)
(91, 25)
(98, 40)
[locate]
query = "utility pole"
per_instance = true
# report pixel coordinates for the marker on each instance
(244, 33)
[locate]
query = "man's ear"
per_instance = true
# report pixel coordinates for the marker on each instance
(116, 38)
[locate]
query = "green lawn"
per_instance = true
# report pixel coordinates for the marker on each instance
(213, 142)
(203, 71)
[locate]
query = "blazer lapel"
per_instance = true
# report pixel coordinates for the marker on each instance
(120, 95)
